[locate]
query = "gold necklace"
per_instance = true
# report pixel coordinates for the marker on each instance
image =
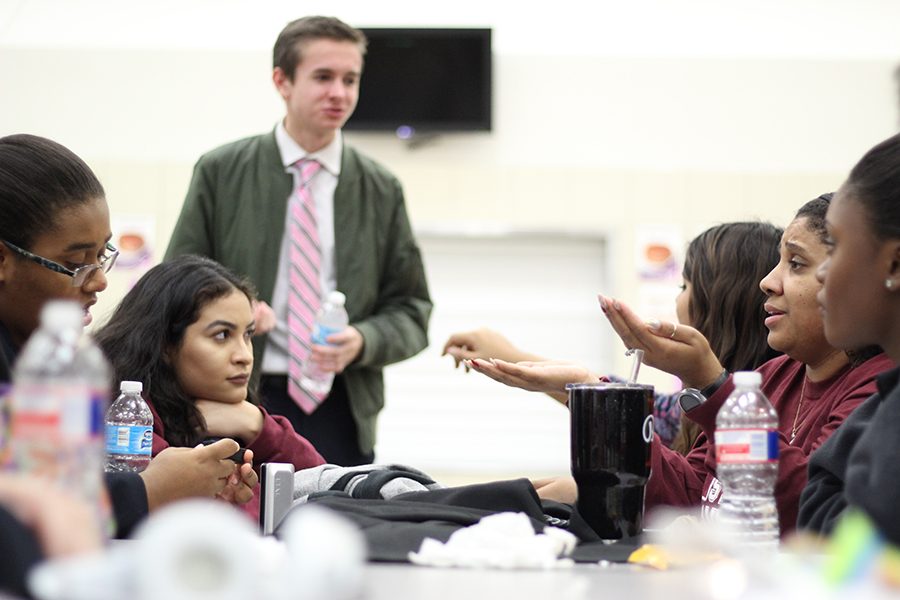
(797, 414)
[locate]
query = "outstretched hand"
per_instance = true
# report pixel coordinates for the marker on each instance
(483, 343)
(677, 349)
(547, 376)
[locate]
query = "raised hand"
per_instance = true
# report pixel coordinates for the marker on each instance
(674, 348)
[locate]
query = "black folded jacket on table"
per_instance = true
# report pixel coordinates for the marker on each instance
(394, 528)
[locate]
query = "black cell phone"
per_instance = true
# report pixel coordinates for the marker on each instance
(237, 457)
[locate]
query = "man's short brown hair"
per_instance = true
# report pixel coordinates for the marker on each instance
(287, 52)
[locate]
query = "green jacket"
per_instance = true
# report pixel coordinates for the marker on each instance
(234, 213)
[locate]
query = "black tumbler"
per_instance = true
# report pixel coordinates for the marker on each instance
(611, 426)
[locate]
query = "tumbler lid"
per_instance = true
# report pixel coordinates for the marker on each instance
(603, 385)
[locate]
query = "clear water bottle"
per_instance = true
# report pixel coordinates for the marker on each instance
(331, 318)
(57, 404)
(129, 431)
(747, 464)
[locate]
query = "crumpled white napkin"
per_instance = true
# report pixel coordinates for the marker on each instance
(502, 541)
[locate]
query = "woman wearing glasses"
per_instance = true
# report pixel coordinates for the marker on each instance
(54, 244)
(54, 225)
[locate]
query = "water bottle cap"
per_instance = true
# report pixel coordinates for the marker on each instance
(58, 315)
(747, 379)
(336, 297)
(131, 387)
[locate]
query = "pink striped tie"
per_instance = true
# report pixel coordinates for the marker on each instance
(304, 294)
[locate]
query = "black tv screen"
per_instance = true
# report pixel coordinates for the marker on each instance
(425, 80)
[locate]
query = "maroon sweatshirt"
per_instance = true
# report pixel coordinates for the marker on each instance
(686, 481)
(277, 442)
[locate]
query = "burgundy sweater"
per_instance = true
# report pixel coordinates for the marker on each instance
(277, 442)
(686, 481)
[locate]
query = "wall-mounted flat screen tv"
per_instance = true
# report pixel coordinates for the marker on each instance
(425, 80)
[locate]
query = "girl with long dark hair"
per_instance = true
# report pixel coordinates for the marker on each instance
(185, 331)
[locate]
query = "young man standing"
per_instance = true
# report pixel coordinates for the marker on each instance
(303, 214)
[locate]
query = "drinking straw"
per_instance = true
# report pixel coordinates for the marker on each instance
(636, 366)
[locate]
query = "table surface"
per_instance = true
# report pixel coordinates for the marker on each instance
(401, 582)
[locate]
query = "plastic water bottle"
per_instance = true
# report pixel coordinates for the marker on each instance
(57, 404)
(331, 318)
(129, 431)
(747, 463)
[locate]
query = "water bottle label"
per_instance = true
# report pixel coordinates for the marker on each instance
(98, 414)
(129, 439)
(740, 446)
(36, 412)
(321, 333)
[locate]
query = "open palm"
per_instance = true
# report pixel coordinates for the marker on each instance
(548, 376)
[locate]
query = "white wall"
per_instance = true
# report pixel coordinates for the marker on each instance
(609, 116)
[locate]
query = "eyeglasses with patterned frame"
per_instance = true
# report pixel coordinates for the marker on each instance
(79, 276)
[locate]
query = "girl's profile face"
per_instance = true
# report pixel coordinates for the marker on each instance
(856, 305)
(77, 238)
(215, 358)
(792, 311)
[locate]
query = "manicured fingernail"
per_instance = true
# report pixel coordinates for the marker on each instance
(616, 304)
(603, 305)
(654, 324)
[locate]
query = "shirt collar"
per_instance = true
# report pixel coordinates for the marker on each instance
(329, 156)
